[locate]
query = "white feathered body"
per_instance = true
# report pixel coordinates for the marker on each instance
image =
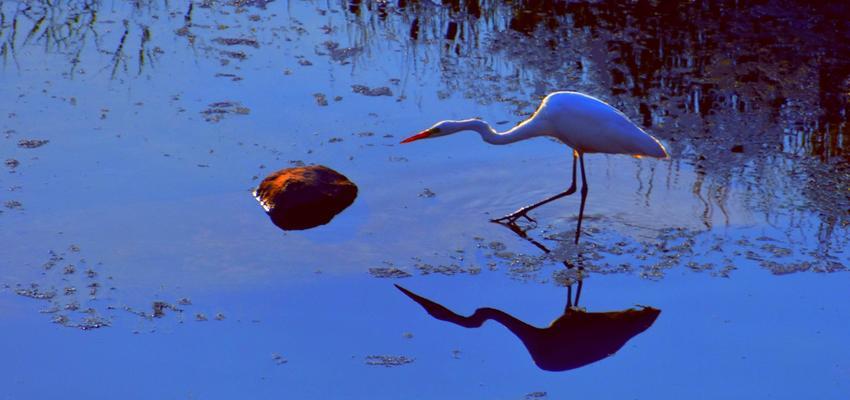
(590, 125)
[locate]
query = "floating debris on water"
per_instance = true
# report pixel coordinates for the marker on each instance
(159, 308)
(236, 55)
(219, 317)
(32, 143)
(367, 91)
(388, 361)
(388, 272)
(184, 301)
(237, 42)
(321, 99)
(278, 359)
(93, 322)
(427, 193)
(215, 112)
(341, 55)
(233, 77)
(536, 395)
(13, 204)
(34, 293)
(12, 163)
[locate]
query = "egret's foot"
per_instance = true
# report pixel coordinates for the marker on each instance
(514, 216)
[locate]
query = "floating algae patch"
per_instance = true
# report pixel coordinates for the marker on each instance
(237, 42)
(215, 112)
(374, 92)
(12, 164)
(89, 308)
(388, 272)
(388, 361)
(35, 293)
(32, 143)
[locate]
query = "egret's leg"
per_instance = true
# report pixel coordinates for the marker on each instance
(523, 212)
(578, 289)
(570, 302)
(583, 196)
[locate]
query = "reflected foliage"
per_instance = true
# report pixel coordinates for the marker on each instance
(751, 93)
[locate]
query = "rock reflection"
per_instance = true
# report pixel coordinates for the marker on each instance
(575, 339)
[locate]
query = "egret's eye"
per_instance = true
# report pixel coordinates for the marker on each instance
(435, 130)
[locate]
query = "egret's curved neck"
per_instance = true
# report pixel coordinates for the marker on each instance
(519, 328)
(525, 130)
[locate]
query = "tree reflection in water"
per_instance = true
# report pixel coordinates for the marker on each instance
(752, 95)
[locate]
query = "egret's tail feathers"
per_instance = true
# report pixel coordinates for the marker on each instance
(652, 148)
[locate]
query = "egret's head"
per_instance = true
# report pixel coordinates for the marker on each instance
(441, 128)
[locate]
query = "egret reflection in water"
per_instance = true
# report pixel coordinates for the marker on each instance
(574, 339)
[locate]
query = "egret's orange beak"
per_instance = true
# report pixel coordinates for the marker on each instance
(420, 135)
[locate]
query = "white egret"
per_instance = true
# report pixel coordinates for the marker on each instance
(582, 122)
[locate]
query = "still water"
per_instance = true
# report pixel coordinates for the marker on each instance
(136, 264)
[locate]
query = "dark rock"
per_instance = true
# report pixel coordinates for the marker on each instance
(738, 148)
(305, 197)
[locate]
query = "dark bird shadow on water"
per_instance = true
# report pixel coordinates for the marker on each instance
(574, 339)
